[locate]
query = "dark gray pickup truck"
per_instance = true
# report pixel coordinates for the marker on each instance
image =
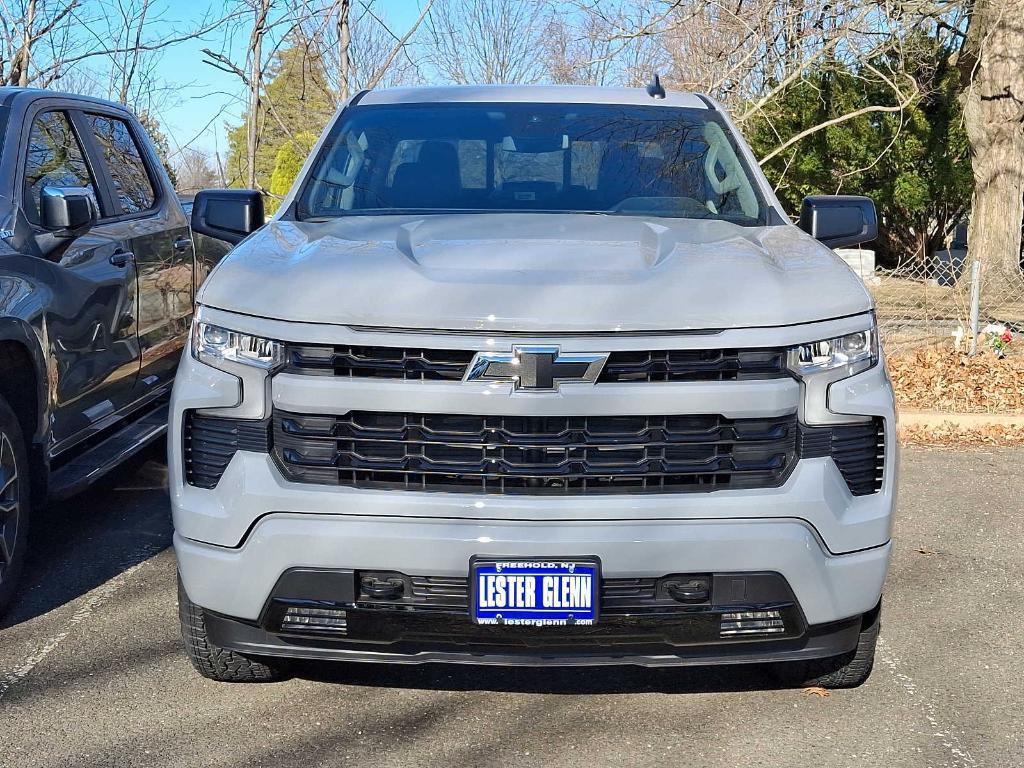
(98, 271)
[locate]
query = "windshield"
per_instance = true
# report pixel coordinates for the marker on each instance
(560, 158)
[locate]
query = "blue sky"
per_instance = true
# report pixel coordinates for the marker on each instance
(206, 98)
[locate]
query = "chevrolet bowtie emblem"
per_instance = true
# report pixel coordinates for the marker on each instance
(536, 368)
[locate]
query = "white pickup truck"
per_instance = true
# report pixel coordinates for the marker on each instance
(535, 375)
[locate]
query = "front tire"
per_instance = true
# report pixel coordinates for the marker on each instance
(211, 661)
(846, 671)
(15, 503)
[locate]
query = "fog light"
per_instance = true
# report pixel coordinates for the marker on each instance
(302, 619)
(752, 623)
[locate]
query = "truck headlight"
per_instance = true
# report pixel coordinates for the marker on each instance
(854, 352)
(212, 344)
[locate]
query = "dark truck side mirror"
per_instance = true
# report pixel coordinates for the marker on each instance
(227, 214)
(839, 220)
(67, 211)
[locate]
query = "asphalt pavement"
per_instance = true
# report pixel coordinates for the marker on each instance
(92, 674)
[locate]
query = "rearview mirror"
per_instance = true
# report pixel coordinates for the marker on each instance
(839, 220)
(67, 211)
(227, 214)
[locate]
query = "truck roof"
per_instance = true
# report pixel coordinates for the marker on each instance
(9, 93)
(554, 94)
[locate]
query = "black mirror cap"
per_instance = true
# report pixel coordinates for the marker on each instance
(839, 220)
(227, 214)
(67, 211)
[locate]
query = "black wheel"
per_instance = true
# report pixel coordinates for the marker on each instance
(216, 663)
(846, 671)
(14, 503)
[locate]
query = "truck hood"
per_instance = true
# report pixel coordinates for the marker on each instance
(534, 273)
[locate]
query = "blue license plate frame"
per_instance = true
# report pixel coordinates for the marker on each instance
(576, 582)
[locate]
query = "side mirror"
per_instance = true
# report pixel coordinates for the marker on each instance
(67, 211)
(839, 220)
(227, 214)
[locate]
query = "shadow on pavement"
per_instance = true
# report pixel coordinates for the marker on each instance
(79, 544)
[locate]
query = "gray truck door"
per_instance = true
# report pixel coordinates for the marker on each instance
(90, 324)
(156, 231)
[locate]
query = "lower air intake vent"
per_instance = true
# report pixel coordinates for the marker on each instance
(327, 621)
(748, 623)
(859, 452)
(211, 441)
(857, 449)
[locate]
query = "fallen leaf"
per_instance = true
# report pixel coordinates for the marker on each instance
(946, 380)
(817, 690)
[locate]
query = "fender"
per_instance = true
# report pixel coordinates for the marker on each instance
(19, 330)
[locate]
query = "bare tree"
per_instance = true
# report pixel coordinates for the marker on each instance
(22, 25)
(364, 50)
(342, 10)
(491, 42)
(992, 67)
(614, 42)
(261, 11)
(263, 16)
(43, 41)
(194, 170)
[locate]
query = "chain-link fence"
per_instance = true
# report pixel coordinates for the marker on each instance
(930, 304)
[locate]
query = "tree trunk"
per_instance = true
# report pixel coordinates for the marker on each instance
(344, 43)
(23, 57)
(259, 29)
(993, 106)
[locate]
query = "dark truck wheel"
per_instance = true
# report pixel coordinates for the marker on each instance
(14, 503)
(216, 663)
(846, 671)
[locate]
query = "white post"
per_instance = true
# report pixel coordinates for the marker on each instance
(975, 304)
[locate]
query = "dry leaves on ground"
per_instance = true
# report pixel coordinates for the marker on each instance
(945, 380)
(948, 434)
(816, 690)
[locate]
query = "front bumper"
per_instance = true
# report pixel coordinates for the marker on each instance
(235, 541)
(237, 582)
(815, 643)
(772, 565)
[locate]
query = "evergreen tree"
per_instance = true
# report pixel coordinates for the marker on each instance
(297, 100)
(914, 165)
(160, 143)
(287, 165)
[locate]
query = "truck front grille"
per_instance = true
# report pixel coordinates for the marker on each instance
(526, 454)
(450, 364)
(535, 454)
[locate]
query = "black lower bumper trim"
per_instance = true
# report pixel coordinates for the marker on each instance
(816, 642)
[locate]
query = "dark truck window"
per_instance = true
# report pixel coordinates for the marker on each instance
(124, 160)
(590, 158)
(55, 159)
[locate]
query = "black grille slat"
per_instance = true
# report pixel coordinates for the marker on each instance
(857, 449)
(859, 452)
(495, 454)
(210, 442)
(694, 365)
(379, 362)
(420, 364)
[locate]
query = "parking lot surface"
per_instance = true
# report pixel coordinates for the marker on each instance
(91, 672)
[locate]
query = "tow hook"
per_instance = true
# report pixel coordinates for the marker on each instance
(688, 590)
(382, 588)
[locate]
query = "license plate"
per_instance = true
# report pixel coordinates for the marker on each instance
(534, 593)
